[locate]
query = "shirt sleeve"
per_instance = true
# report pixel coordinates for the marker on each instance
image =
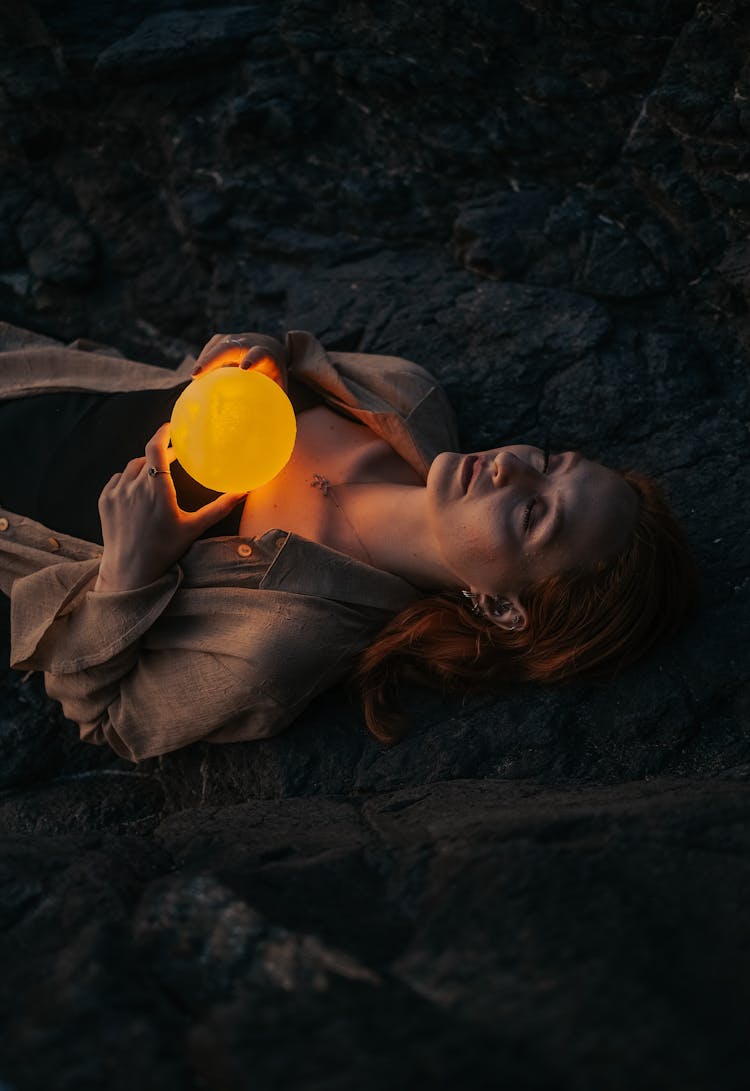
(150, 702)
(122, 684)
(58, 622)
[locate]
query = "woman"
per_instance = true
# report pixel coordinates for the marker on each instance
(221, 623)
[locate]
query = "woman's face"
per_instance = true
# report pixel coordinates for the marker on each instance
(501, 519)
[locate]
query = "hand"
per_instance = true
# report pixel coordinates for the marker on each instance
(239, 350)
(144, 530)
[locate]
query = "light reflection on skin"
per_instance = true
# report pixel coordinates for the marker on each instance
(501, 522)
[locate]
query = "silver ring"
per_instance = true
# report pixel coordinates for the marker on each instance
(152, 471)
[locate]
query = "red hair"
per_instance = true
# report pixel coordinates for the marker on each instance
(589, 623)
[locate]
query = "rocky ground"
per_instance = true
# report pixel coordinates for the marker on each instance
(547, 203)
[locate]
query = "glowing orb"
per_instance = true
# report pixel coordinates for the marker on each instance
(233, 430)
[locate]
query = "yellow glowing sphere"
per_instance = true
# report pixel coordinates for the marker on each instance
(233, 430)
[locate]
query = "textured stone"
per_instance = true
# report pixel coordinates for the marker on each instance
(570, 908)
(540, 238)
(178, 39)
(547, 205)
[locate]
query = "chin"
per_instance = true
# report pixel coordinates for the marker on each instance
(439, 469)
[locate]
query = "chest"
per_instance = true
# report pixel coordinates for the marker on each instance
(330, 450)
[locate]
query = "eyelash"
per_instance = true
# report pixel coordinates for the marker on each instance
(529, 507)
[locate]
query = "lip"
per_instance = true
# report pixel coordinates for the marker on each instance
(469, 471)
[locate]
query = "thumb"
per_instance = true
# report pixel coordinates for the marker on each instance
(215, 511)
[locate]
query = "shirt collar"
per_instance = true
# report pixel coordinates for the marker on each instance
(303, 567)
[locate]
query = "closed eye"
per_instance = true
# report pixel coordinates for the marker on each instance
(530, 506)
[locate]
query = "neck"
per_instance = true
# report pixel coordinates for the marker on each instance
(392, 524)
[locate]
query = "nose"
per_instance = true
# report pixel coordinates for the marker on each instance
(509, 469)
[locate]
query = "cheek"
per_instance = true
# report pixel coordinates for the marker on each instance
(479, 543)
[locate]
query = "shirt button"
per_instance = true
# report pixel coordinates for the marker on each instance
(245, 550)
(280, 541)
(3, 523)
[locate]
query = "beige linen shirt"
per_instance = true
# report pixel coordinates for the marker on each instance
(234, 641)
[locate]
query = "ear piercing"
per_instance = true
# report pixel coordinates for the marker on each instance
(499, 607)
(473, 603)
(503, 607)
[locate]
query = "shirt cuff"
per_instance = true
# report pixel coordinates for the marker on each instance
(59, 624)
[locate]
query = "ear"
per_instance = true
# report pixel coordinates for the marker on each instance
(505, 611)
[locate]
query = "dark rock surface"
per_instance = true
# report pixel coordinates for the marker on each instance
(548, 205)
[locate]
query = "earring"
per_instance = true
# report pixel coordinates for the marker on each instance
(473, 603)
(500, 607)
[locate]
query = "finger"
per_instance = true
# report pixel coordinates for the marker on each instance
(156, 448)
(227, 354)
(256, 355)
(214, 512)
(209, 348)
(266, 365)
(110, 484)
(133, 468)
(260, 359)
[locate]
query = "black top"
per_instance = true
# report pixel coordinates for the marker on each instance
(58, 451)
